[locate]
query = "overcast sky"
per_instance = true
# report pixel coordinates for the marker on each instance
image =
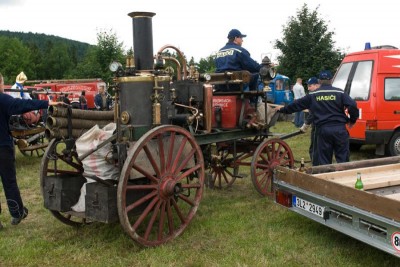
(199, 28)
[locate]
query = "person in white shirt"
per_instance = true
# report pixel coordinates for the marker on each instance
(19, 84)
(298, 92)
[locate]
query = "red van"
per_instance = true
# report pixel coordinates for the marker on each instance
(372, 78)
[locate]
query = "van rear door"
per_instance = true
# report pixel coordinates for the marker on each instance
(355, 78)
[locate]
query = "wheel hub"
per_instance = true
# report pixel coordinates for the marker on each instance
(169, 187)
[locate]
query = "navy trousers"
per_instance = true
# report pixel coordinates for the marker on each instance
(332, 139)
(9, 180)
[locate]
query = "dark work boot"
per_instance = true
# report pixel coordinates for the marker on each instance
(15, 221)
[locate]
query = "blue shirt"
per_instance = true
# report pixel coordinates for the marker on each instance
(14, 106)
(233, 57)
(327, 104)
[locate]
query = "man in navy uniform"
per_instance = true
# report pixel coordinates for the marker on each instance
(328, 105)
(233, 57)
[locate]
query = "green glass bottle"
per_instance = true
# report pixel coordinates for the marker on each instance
(359, 184)
(302, 166)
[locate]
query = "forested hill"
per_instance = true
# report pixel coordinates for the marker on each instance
(41, 41)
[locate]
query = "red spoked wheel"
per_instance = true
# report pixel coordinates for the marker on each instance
(268, 155)
(161, 185)
(56, 163)
(224, 168)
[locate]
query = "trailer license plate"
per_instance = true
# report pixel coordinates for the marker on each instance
(308, 206)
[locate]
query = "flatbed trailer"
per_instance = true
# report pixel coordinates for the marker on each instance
(326, 194)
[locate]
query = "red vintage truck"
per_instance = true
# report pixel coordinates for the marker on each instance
(372, 78)
(73, 88)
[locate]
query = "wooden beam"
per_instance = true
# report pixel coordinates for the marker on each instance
(353, 165)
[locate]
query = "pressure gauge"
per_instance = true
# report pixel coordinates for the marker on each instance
(114, 66)
(207, 76)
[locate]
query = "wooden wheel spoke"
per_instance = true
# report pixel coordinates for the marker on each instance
(186, 199)
(185, 161)
(189, 186)
(225, 178)
(263, 179)
(162, 221)
(229, 172)
(279, 148)
(261, 166)
(170, 218)
(178, 211)
(224, 154)
(140, 201)
(285, 162)
(170, 150)
(283, 154)
(145, 173)
(152, 220)
(161, 151)
(262, 156)
(243, 157)
(268, 151)
(141, 187)
(145, 213)
(178, 154)
(263, 171)
(189, 171)
(266, 183)
(152, 161)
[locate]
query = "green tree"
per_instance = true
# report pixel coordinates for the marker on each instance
(108, 50)
(307, 46)
(58, 61)
(14, 58)
(98, 58)
(206, 65)
(89, 67)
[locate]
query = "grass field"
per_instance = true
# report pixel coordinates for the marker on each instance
(233, 227)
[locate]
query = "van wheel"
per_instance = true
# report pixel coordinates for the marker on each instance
(355, 147)
(394, 145)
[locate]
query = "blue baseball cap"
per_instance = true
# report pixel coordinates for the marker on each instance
(312, 80)
(235, 33)
(325, 75)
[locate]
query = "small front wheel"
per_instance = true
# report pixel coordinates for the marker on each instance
(268, 155)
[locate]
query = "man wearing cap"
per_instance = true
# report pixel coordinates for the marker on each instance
(233, 57)
(13, 106)
(328, 105)
(313, 85)
(19, 84)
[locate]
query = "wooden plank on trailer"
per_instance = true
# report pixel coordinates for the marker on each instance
(375, 182)
(353, 165)
(394, 196)
(368, 201)
(366, 173)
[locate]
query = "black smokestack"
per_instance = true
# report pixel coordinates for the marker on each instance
(142, 39)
